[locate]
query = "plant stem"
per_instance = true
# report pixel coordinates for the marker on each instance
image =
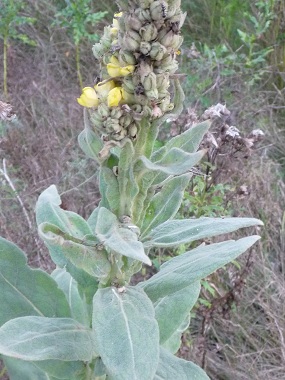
(5, 67)
(77, 49)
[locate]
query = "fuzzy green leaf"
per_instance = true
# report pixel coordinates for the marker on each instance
(173, 343)
(87, 284)
(26, 291)
(48, 210)
(69, 286)
(188, 141)
(44, 369)
(92, 220)
(82, 253)
(183, 270)
(126, 333)
(39, 338)
(89, 141)
(176, 232)
(66, 370)
(178, 101)
(171, 310)
(165, 204)
(118, 238)
(109, 188)
(170, 367)
(22, 370)
(175, 162)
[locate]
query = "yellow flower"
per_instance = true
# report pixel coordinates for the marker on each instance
(114, 97)
(115, 28)
(104, 89)
(88, 98)
(126, 70)
(115, 19)
(114, 31)
(115, 70)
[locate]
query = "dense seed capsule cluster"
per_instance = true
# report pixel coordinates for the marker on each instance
(137, 55)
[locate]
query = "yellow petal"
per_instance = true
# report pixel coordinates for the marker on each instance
(115, 19)
(114, 60)
(114, 97)
(113, 70)
(88, 98)
(114, 31)
(126, 70)
(104, 89)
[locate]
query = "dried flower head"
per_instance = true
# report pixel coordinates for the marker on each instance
(213, 112)
(6, 112)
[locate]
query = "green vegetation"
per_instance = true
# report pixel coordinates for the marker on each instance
(12, 18)
(79, 19)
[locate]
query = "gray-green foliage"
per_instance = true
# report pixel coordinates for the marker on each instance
(134, 330)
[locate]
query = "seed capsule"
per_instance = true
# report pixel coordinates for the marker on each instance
(116, 113)
(157, 51)
(158, 10)
(148, 32)
(171, 39)
(152, 94)
(112, 125)
(173, 6)
(165, 61)
(126, 58)
(133, 130)
(144, 69)
(103, 110)
(162, 81)
(125, 120)
(170, 68)
(97, 120)
(131, 41)
(128, 84)
(149, 81)
(120, 135)
(107, 38)
(133, 22)
(98, 51)
(145, 47)
(143, 15)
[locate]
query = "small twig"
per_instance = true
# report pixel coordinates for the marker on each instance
(25, 212)
(10, 183)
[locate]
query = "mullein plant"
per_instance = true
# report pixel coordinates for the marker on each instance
(85, 320)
